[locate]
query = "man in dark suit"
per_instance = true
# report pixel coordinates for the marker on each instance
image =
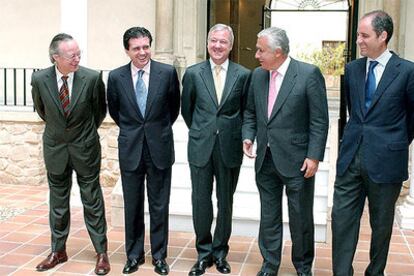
(373, 155)
(212, 106)
(144, 101)
(71, 101)
(287, 111)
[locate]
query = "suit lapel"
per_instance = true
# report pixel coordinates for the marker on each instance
(359, 76)
(154, 83)
(52, 87)
(263, 92)
(128, 86)
(231, 78)
(79, 84)
(390, 73)
(207, 77)
(288, 82)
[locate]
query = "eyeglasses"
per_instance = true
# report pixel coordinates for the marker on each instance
(72, 57)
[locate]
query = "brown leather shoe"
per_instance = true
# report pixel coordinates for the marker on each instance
(52, 260)
(102, 264)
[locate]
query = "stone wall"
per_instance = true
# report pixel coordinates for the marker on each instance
(21, 156)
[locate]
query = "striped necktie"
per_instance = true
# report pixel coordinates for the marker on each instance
(64, 95)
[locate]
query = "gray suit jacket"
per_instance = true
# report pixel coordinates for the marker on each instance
(76, 136)
(206, 119)
(298, 126)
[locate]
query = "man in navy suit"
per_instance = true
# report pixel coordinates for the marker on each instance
(144, 101)
(373, 155)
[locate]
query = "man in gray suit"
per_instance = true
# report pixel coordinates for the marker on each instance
(287, 111)
(71, 101)
(212, 105)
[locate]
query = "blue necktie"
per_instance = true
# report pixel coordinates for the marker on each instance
(141, 93)
(370, 84)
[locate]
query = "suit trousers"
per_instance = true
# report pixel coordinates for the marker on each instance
(158, 184)
(350, 191)
(93, 208)
(300, 191)
(202, 186)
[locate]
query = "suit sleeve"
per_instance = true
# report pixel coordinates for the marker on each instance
(99, 103)
(318, 115)
(410, 104)
(187, 99)
(249, 127)
(113, 101)
(37, 100)
(174, 95)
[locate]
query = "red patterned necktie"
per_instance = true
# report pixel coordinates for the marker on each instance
(64, 95)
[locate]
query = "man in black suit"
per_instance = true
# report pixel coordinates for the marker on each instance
(144, 101)
(71, 100)
(212, 107)
(288, 113)
(373, 155)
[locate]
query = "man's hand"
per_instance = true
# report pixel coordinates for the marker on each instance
(310, 167)
(248, 148)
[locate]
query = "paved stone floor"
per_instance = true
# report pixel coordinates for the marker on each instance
(25, 239)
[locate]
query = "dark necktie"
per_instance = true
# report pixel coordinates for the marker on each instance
(64, 95)
(370, 84)
(141, 92)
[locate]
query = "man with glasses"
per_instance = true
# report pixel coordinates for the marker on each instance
(71, 101)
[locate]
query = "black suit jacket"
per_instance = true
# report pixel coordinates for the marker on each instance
(163, 104)
(76, 136)
(386, 128)
(298, 126)
(206, 119)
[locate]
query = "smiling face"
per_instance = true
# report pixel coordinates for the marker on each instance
(269, 59)
(139, 51)
(219, 46)
(68, 57)
(370, 44)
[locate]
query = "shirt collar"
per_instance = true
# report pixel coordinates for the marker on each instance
(134, 69)
(383, 58)
(59, 75)
(283, 67)
(224, 65)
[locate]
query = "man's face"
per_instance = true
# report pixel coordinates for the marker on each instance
(370, 45)
(269, 59)
(219, 46)
(68, 58)
(139, 51)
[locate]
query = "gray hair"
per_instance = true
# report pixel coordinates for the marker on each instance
(221, 27)
(54, 44)
(277, 38)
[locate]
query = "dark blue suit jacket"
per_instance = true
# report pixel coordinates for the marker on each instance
(163, 104)
(385, 130)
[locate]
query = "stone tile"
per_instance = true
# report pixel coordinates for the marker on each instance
(15, 259)
(31, 249)
(400, 269)
(7, 270)
(250, 269)
(73, 266)
(19, 237)
(8, 246)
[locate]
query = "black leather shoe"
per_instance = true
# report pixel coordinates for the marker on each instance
(161, 267)
(132, 265)
(304, 274)
(223, 266)
(199, 268)
(261, 273)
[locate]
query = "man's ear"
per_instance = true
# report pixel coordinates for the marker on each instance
(383, 36)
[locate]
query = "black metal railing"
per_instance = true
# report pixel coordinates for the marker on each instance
(14, 86)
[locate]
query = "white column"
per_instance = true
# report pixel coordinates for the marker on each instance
(74, 22)
(164, 30)
(405, 212)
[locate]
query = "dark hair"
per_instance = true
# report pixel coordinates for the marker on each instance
(54, 44)
(381, 21)
(135, 32)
